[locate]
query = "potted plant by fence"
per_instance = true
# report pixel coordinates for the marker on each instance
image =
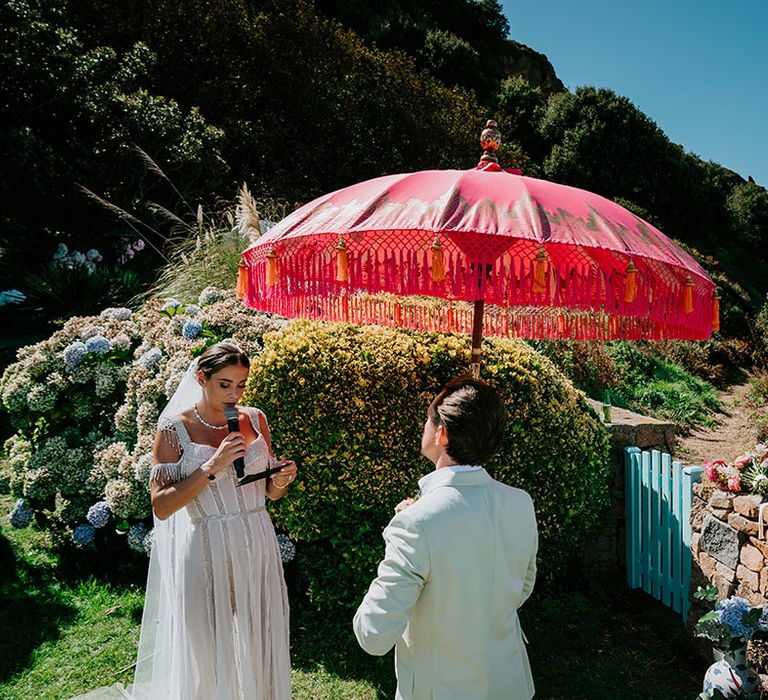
(729, 627)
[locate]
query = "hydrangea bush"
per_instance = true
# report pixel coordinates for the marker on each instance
(85, 404)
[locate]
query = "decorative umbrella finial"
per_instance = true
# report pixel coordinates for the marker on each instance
(490, 140)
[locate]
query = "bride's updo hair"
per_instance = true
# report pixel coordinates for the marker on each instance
(219, 356)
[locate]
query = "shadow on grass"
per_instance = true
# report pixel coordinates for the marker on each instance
(327, 641)
(594, 640)
(31, 613)
(600, 641)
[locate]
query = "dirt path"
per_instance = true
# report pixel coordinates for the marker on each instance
(733, 433)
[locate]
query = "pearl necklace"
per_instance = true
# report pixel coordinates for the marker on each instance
(206, 423)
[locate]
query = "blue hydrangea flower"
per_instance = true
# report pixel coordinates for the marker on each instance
(98, 514)
(192, 329)
(209, 296)
(731, 612)
(21, 515)
(84, 534)
(74, 354)
(287, 548)
(150, 358)
(170, 303)
(98, 344)
(136, 536)
(61, 252)
(191, 310)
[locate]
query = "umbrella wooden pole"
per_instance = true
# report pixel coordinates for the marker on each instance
(477, 338)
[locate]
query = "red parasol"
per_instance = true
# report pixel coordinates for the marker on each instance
(535, 258)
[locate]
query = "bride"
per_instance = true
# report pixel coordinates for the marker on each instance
(215, 624)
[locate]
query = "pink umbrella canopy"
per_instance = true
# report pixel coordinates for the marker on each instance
(546, 260)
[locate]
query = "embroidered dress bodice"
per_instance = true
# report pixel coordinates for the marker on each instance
(222, 498)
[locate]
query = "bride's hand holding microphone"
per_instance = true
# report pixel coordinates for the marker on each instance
(231, 448)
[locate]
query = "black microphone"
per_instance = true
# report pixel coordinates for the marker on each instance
(233, 421)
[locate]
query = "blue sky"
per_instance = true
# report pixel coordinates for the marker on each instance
(697, 69)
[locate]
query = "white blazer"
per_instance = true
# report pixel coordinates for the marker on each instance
(458, 564)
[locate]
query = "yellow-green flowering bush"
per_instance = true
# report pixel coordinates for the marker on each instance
(349, 404)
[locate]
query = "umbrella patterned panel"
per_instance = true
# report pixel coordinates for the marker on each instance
(417, 249)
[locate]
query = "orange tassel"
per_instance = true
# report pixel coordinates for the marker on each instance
(540, 272)
(271, 267)
(342, 268)
(242, 280)
(630, 286)
(398, 316)
(688, 295)
(438, 268)
(715, 311)
(449, 320)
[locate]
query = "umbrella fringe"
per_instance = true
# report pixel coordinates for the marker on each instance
(577, 300)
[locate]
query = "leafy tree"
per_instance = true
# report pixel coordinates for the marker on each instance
(71, 113)
(748, 204)
(521, 108)
(451, 59)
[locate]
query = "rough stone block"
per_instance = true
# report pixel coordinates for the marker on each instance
(742, 524)
(751, 557)
(762, 545)
(749, 595)
(750, 578)
(696, 544)
(724, 588)
(707, 564)
(721, 541)
(699, 511)
(721, 499)
(747, 505)
(697, 489)
(728, 574)
(764, 581)
(720, 513)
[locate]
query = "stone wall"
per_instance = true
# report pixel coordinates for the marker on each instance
(727, 549)
(627, 429)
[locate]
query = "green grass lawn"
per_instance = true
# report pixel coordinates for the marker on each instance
(68, 626)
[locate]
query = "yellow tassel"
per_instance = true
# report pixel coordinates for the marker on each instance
(540, 272)
(630, 286)
(342, 269)
(271, 267)
(688, 295)
(438, 268)
(242, 280)
(715, 311)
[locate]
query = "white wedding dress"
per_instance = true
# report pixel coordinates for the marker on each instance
(215, 623)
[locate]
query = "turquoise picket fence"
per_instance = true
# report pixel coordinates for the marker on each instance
(658, 494)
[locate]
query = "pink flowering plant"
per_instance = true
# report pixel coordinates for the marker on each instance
(724, 476)
(748, 472)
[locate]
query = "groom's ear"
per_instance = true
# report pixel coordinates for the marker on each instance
(441, 437)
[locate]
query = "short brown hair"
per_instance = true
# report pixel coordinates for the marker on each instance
(474, 418)
(219, 356)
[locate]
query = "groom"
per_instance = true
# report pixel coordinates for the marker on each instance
(459, 563)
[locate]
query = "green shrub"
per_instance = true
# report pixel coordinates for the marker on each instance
(349, 403)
